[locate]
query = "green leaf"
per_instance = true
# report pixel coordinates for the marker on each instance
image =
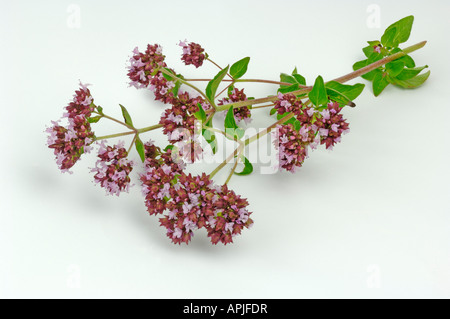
(230, 90)
(140, 148)
(375, 56)
(387, 39)
(126, 115)
(394, 68)
(359, 65)
(379, 83)
(168, 147)
(398, 32)
(239, 68)
(297, 124)
(210, 137)
(212, 86)
(287, 89)
(372, 74)
(374, 43)
(413, 82)
(167, 76)
(368, 50)
(409, 73)
(231, 126)
(99, 109)
(273, 111)
(343, 93)
(248, 167)
(409, 62)
(318, 94)
(287, 78)
(296, 80)
(200, 114)
(299, 78)
(292, 120)
(229, 119)
(177, 86)
(94, 119)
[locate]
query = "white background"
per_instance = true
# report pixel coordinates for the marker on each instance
(367, 220)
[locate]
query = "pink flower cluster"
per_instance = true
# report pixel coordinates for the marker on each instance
(331, 125)
(292, 147)
(112, 169)
(71, 141)
(179, 124)
(143, 66)
(325, 127)
(192, 53)
(240, 113)
(288, 103)
(144, 72)
(190, 202)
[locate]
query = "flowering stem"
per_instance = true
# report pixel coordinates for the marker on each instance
(248, 80)
(263, 106)
(219, 67)
(225, 162)
(249, 140)
(113, 135)
(132, 142)
(149, 128)
(235, 164)
(224, 89)
(142, 130)
(268, 129)
(173, 76)
(270, 82)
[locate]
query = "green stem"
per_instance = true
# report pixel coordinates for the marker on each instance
(247, 80)
(221, 165)
(341, 79)
(132, 142)
(379, 63)
(219, 67)
(142, 130)
(230, 137)
(268, 129)
(224, 89)
(173, 76)
(270, 82)
(235, 165)
(149, 128)
(263, 106)
(115, 120)
(114, 135)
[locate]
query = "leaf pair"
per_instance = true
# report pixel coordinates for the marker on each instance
(398, 32)
(237, 70)
(402, 71)
(137, 141)
(294, 79)
(343, 94)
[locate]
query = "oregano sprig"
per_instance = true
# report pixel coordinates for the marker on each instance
(305, 117)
